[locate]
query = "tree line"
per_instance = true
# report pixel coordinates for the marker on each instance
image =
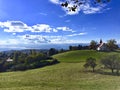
(25, 61)
(110, 45)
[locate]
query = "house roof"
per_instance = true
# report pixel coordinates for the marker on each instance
(101, 44)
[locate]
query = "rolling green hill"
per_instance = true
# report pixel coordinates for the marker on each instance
(80, 55)
(62, 76)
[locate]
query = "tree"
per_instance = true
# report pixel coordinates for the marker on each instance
(2, 68)
(70, 47)
(90, 62)
(111, 44)
(62, 50)
(73, 5)
(112, 62)
(80, 47)
(16, 56)
(117, 66)
(93, 45)
(52, 51)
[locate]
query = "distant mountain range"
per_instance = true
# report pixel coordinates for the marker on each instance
(46, 46)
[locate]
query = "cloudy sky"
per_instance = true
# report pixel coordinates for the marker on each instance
(25, 23)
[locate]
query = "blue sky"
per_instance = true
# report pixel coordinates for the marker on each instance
(24, 23)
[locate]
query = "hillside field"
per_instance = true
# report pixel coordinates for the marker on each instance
(67, 75)
(81, 55)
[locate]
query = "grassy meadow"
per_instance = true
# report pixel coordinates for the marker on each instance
(67, 75)
(80, 55)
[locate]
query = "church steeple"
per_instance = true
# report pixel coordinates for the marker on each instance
(101, 41)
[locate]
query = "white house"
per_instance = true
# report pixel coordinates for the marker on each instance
(102, 46)
(9, 60)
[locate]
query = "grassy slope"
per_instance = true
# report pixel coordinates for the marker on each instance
(63, 76)
(80, 55)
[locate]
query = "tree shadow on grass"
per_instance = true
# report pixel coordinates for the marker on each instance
(106, 73)
(117, 51)
(102, 72)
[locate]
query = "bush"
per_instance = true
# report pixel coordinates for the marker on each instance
(20, 67)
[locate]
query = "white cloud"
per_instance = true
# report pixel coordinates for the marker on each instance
(10, 42)
(25, 40)
(44, 14)
(55, 30)
(65, 29)
(41, 28)
(79, 34)
(13, 41)
(13, 33)
(55, 1)
(67, 21)
(18, 30)
(14, 26)
(12, 47)
(18, 26)
(86, 8)
(34, 41)
(38, 39)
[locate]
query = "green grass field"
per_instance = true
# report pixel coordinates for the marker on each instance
(62, 76)
(80, 55)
